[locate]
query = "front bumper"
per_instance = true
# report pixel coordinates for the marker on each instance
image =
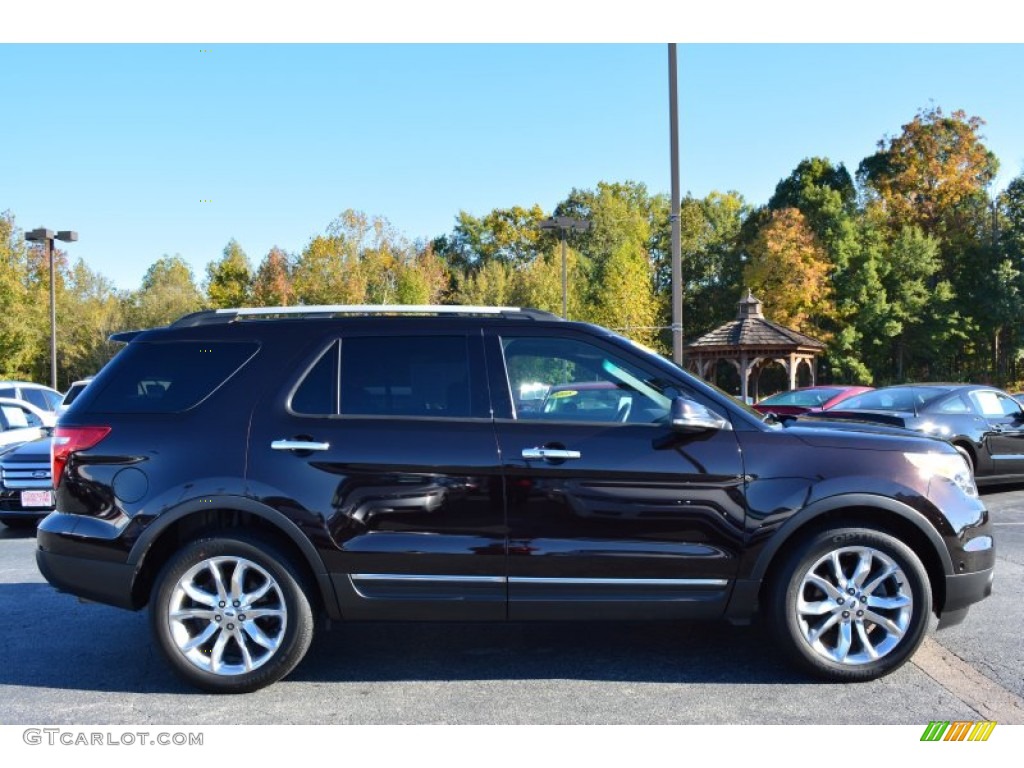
(965, 589)
(11, 506)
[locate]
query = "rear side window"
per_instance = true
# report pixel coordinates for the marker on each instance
(169, 377)
(405, 376)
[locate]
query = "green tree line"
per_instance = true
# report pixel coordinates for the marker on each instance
(909, 268)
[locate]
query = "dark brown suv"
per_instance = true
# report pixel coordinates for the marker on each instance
(242, 472)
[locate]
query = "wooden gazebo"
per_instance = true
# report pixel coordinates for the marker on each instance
(751, 342)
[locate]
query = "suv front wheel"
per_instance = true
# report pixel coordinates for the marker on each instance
(230, 615)
(850, 604)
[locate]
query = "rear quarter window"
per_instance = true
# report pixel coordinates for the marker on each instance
(169, 377)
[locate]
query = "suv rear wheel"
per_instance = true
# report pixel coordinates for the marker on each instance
(850, 604)
(230, 615)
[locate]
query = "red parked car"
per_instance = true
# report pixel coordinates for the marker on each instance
(807, 399)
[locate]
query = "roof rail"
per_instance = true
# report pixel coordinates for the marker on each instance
(217, 316)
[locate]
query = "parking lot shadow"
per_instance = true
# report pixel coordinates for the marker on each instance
(52, 640)
(641, 651)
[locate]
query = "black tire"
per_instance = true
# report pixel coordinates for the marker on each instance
(234, 656)
(815, 618)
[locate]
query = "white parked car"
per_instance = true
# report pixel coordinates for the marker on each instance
(21, 422)
(39, 395)
(73, 391)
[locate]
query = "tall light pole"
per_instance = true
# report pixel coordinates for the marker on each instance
(565, 224)
(677, 259)
(46, 237)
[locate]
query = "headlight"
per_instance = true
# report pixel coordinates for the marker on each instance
(950, 466)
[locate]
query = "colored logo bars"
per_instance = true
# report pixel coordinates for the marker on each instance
(959, 730)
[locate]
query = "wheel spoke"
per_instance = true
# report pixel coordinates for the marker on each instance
(866, 641)
(818, 608)
(199, 595)
(837, 568)
(184, 614)
(845, 640)
(258, 594)
(817, 632)
(824, 585)
(237, 581)
(887, 624)
(889, 571)
(222, 593)
(209, 631)
(217, 655)
(261, 613)
(888, 603)
(863, 569)
(246, 654)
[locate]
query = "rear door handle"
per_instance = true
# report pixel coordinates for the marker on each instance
(299, 445)
(549, 454)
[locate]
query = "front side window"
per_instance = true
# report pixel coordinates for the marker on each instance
(405, 376)
(558, 379)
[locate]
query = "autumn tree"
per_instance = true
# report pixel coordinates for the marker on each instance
(20, 340)
(229, 279)
(924, 176)
(272, 285)
(327, 271)
(826, 196)
(168, 291)
(788, 270)
(98, 310)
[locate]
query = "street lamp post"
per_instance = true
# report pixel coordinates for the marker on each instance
(677, 260)
(565, 224)
(46, 237)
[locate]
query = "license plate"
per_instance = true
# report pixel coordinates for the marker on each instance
(37, 498)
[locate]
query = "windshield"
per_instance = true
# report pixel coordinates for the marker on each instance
(892, 399)
(809, 398)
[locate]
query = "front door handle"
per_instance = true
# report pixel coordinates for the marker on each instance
(299, 445)
(549, 454)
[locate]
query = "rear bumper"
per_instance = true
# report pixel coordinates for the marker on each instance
(64, 560)
(99, 580)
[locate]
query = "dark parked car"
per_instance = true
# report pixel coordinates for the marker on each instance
(26, 488)
(985, 425)
(242, 472)
(805, 399)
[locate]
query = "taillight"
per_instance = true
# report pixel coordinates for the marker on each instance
(67, 440)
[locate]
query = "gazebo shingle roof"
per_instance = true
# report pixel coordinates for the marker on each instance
(751, 329)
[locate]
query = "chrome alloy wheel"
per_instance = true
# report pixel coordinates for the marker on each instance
(227, 615)
(854, 605)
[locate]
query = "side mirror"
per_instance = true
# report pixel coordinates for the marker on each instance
(690, 416)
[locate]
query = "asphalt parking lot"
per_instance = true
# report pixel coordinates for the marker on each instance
(66, 662)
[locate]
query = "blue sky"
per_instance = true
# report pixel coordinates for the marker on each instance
(124, 143)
